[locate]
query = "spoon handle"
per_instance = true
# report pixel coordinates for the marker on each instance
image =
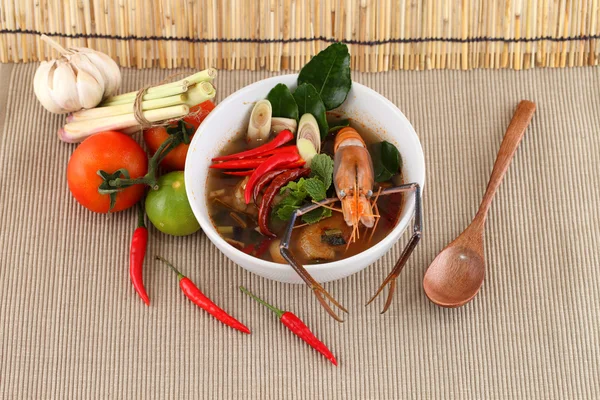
(512, 138)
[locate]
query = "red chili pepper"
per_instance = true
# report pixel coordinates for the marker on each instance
(284, 149)
(297, 164)
(137, 252)
(249, 249)
(240, 164)
(197, 297)
(283, 137)
(239, 173)
(262, 247)
(272, 163)
(263, 181)
(264, 211)
(299, 328)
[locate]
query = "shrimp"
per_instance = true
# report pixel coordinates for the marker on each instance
(310, 243)
(353, 178)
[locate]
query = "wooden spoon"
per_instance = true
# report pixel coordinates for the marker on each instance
(456, 274)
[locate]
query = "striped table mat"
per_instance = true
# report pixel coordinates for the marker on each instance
(71, 325)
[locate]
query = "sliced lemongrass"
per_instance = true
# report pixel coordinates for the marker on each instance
(259, 127)
(216, 193)
(278, 124)
(225, 230)
(307, 150)
(74, 132)
(179, 86)
(238, 219)
(309, 129)
(103, 112)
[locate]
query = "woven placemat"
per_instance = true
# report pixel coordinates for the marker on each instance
(71, 325)
(284, 34)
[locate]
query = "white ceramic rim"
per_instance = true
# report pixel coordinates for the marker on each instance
(381, 247)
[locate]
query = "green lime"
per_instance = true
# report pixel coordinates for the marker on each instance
(168, 208)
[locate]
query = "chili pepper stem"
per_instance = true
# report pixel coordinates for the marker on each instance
(141, 214)
(264, 303)
(179, 274)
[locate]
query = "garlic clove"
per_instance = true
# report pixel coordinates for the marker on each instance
(278, 124)
(89, 90)
(107, 66)
(63, 87)
(82, 63)
(41, 87)
(259, 127)
(309, 129)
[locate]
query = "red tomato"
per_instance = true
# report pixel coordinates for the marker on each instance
(154, 137)
(107, 151)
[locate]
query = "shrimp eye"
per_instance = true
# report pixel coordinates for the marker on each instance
(342, 193)
(369, 193)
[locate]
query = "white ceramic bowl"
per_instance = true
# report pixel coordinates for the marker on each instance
(231, 116)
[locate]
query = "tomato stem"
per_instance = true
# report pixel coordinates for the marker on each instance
(175, 139)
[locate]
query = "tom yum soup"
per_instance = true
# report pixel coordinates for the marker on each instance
(294, 154)
(259, 180)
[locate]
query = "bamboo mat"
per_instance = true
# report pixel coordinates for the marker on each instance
(71, 326)
(283, 34)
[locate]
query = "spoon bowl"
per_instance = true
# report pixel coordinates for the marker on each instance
(454, 277)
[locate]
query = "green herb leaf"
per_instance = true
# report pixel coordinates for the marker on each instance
(285, 212)
(315, 216)
(283, 102)
(295, 188)
(386, 161)
(329, 73)
(322, 166)
(308, 101)
(341, 124)
(316, 189)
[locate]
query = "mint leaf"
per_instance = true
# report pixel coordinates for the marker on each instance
(322, 167)
(308, 101)
(283, 102)
(329, 73)
(285, 212)
(315, 216)
(315, 189)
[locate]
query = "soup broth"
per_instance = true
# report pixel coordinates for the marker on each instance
(237, 223)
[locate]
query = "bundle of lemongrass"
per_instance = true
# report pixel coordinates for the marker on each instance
(158, 103)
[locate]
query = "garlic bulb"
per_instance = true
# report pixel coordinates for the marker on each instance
(259, 127)
(278, 124)
(81, 78)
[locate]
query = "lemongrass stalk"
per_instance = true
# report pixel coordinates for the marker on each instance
(167, 92)
(200, 94)
(203, 76)
(103, 112)
(74, 132)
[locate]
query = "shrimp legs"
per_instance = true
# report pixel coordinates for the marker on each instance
(320, 293)
(410, 246)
